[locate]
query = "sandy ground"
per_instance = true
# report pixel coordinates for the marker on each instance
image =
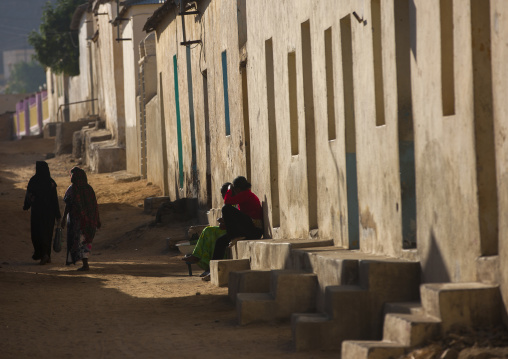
(136, 302)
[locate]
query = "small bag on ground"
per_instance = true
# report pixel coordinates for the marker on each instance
(57, 240)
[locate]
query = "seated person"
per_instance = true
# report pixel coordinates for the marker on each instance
(206, 243)
(245, 221)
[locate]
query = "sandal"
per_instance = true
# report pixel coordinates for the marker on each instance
(206, 278)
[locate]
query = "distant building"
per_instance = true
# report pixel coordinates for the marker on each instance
(12, 57)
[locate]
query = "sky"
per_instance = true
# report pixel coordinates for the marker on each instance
(17, 19)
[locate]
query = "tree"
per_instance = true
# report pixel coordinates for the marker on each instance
(56, 46)
(26, 77)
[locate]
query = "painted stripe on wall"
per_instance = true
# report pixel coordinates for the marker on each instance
(178, 124)
(226, 95)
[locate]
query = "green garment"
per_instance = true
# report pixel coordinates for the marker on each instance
(206, 244)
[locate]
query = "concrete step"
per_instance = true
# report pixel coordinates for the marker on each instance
(335, 266)
(273, 253)
(346, 317)
(248, 281)
(220, 269)
(356, 311)
(290, 291)
(444, 305)
(467, 304)
(310, 328)
(363, 349)
(404, 308)
(105, 156)
(410, 330)
(254, 307)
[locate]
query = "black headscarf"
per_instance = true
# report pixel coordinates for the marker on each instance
(42, 174)
(40, 186)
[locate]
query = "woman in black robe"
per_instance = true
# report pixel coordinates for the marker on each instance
(41, 197)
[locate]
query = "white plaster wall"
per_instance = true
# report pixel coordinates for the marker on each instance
(499, 33)
(283, 26)
(448, 238)
(376, 146)
(132, 29)
(448, 228)
(447, 209)
(52, 100)
(130, 81)
(79, 86)
(219, 32)
(109, 72)
(155, 167)
(79, 110)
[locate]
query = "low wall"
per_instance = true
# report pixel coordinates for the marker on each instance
(6, 126)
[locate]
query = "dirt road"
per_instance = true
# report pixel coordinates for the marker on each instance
(136, 302)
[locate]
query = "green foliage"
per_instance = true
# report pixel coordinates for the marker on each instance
(56, 46)
(26, 77)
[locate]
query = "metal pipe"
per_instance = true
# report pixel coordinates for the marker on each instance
(68, 104)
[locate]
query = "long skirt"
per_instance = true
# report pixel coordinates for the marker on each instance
(77, 248)
(206, 245)
(41, 228)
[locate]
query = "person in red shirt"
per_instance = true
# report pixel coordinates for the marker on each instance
(244, 221)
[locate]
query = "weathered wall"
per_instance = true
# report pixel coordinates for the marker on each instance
(309, 164)
(108, 60)
(448, 227)
(52, 99)
(152, 130)
(499, 33)
(132, 29)
(7, 126)
(397, 106)
(307, 167)
(57, 93)
(155, 170)
(79, 86)
(201, 104)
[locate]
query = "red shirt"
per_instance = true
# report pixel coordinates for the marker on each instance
(247, 202)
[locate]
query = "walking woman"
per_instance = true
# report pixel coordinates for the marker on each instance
(83, 220)
(41, 197)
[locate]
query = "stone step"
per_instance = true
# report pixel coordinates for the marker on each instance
(363, 349)
(335, 266)
(220, 269)
(356, 311)
(346, 317)
(444, 305)
(248, 281)
(310, 328)
(410, 330)
(105, 156)
(254, 307)
(290, 291)
(273, 253)
(404, 308)
(468, 304)
(294, 291)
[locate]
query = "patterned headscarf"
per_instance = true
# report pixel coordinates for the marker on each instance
(84, 204)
